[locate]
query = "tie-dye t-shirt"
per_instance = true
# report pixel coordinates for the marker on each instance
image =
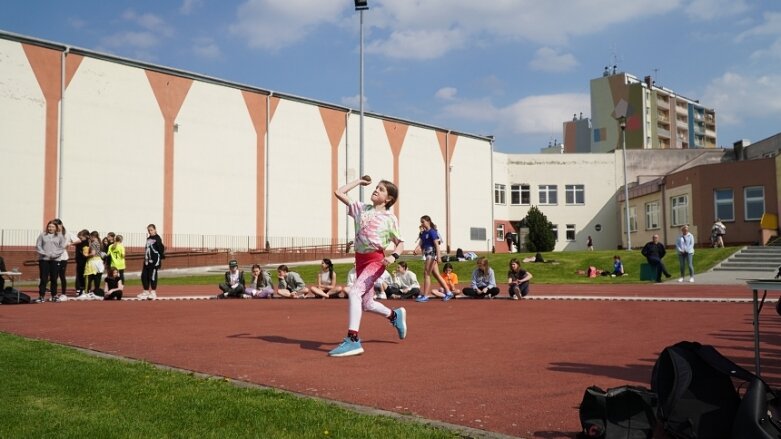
(374, 229)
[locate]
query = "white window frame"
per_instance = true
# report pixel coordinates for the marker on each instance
(652, 215)
(679, 210)
(753, 199)
(520, 190)
(500, 194)
(723, 202)
(571, 192)
(548, 191)
(555, 231)
(570, 233)
(500, 232)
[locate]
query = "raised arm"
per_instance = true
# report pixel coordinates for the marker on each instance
(341, 193)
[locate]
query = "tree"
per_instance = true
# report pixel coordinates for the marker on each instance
(540, 238)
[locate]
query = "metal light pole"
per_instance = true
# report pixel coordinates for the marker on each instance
(360, 6)
(622, 124)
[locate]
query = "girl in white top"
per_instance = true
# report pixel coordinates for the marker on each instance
(326, 281)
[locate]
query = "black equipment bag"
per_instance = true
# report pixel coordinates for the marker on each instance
(625, 412)
(759, 414)
(12, 296)
(697, 398)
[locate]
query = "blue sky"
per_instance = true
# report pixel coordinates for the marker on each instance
(515, 69)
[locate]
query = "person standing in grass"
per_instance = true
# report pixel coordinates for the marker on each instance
(154, 252)
(377, 244)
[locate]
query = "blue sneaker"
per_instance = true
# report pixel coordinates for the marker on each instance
(348, 348)
(421, 299)
(401, 322)
(448, 296)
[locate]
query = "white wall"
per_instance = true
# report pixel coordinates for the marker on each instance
(22, 137)
(112, 176)
(596, 172)
(215, 158)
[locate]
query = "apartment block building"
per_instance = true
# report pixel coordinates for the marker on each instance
(656, 117)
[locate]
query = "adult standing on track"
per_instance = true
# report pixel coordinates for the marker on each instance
(49, 246)
(154, 252)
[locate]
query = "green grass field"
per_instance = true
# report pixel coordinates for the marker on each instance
(559, 268)
(50, 391)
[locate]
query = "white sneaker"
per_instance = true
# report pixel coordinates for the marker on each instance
(382, 296)
(680, 279)
(143, 296)
(152, 295)
(691, 279)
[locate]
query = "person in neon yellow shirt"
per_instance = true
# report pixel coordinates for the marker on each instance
(117, 253)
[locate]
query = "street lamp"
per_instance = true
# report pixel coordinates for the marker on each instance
(622, 124)
(360, 6)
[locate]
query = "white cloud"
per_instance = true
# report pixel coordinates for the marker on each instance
(188, 6)
(706, 10)
(143, 39)
(149, 22)
(206, 48)
(738, 98)
(452, 24)
(542, 114)
(354, 102)
(418, 44)
(550, 60)
(446, 93)
(273, 24)
(770, 27)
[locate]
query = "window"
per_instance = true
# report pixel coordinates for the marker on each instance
(520, 194)
(555, 231)
(632, 219)
(500, 232)
(548, 194)
(570, 232)
(477, 233)
(754, 198)
(499, 195)
(680, 210)
(574, 193)
(724, 204)
(652, 215)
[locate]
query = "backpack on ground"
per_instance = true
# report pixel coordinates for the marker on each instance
(697, 398)
(12, 296)
(625, 412)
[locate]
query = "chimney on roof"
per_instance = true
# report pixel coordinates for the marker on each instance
(648, 81)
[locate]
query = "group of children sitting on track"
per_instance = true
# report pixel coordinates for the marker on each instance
(403, 284)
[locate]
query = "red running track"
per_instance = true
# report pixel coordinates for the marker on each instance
(513, 367)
